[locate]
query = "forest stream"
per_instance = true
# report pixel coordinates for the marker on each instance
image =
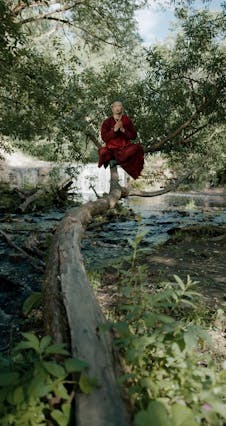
(184, 233)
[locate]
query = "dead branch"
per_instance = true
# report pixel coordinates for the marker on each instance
(37, 264)
(41, 16)
(171, 187)
(23, 207)
(60, 193)
(91, 186)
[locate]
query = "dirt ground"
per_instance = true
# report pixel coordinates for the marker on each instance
(196, 252)
(202, 257)
(193, 253)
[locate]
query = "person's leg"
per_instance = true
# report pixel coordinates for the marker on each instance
(113, 162)
(131, 159)
(105, 156)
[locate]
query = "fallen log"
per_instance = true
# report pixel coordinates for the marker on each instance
(73, 314)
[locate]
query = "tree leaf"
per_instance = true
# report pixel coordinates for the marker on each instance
(9, 379)
(61, 391)
(44, 343)
(33, 340)
(86, 384)
(54, 369)
(58, 348)
(182, 416)
(155, 415)
(62, 419)
(38, 387)
(18, 395)
(75, 364)
(31, 302)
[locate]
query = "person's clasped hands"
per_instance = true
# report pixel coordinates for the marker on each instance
(119, 126)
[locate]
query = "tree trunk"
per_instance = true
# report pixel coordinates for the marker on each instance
(68, 294)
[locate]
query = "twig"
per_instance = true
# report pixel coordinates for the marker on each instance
(91, 186)
(33, 261)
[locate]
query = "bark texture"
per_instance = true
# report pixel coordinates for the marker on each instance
(71, 306)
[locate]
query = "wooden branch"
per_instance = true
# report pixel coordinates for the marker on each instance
(45, 15)
(93, 139)
(97, 37)
(60, 193)
(23, 207)
(16, 10)
(91, 186)
(139, 193)
(189, 137)
(39, 265)
(65, 21)
(157, 145)
(65, 275)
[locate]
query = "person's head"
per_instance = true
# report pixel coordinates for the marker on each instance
(117, 107)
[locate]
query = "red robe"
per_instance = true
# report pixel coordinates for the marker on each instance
(130, 156)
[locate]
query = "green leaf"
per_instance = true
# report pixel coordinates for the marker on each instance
(44, 343)
(62, 418)
(54, 369)
(9, 379)
(23, 345)
(190, 340)
(155, 415)
(131, 242)
(33, 340)
(32, 301)
(86, 384)
(18, 395)
(166, 319)
(180, 282)
(219, 407)
(139, 237)
(58, 348)
(182, 416)
(75, 364)
(61, 391)
(38, 387)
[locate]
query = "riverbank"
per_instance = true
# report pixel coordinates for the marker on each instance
(165, 247)
(135, 248)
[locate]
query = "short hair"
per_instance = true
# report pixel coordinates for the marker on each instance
(117, 101)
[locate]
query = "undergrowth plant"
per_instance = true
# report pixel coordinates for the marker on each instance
(37, 382)
(171, 377)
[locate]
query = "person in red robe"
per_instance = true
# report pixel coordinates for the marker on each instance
(117, 132)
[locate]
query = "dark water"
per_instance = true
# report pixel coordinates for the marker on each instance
(155, 218)
(18, 278)
(103, 243)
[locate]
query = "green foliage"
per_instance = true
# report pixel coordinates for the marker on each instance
(32, 301)
(173, 379)
(59, 89)
(35, 387)
(177, 92)
(157, 415)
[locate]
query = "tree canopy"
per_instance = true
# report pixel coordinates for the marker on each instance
(62, 64)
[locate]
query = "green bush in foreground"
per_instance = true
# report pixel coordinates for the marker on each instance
(173, 376)
(35, 388)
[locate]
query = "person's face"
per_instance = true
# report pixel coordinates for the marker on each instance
(117, 108)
